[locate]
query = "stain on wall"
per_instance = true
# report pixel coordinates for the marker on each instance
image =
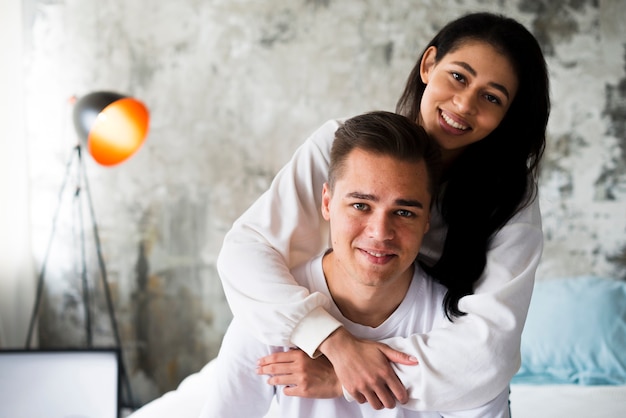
(557, 22)
(611, 183)
(233, 89)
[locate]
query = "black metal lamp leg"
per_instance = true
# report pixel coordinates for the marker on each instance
(103, 273)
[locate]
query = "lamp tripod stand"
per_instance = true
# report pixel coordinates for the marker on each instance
(82, 189)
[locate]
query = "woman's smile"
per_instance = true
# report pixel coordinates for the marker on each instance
(450, 121)
(468, 92)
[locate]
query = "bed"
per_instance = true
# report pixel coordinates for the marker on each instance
(573, 351)
(573, 357)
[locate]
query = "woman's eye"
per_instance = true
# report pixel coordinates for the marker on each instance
(458, 77)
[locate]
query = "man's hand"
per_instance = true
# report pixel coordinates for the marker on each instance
(301, 375)
(363, 369)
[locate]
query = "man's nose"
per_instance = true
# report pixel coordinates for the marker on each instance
(380, 227)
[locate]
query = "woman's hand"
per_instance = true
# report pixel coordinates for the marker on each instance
(363, 368)
(301, 375)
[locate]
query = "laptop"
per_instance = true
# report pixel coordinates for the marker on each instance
(81, 383)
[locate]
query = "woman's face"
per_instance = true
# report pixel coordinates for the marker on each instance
(468, 93)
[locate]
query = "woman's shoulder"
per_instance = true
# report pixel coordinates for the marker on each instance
(530, 213)
(324, 135)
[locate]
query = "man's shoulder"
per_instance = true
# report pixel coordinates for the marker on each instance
(310, 273)
(428, 285)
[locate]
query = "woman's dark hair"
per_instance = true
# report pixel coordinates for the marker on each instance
(495, 177)
(390, 134)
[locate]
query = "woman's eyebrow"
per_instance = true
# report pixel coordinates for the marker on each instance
(472, 71)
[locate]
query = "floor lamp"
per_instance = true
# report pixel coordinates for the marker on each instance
(113, 127)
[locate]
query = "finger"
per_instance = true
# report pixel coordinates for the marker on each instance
(387, 398)
(398, 391)
(373, 400)
(282, 380)
(399, 357)
(266, 360)
(358, 397)
(281, 357)
(272, 369)
(263, 370)
(293, 391)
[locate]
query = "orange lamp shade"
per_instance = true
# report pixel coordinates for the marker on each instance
(112, 125)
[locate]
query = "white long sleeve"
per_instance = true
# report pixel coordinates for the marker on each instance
(462, 365)
(469, 361)
(282, 229)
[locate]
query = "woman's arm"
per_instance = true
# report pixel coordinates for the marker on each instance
(282, 229)
(468, 362)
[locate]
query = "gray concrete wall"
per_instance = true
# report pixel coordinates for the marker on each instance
(233, 88)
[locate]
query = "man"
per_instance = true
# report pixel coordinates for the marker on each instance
(383, 177)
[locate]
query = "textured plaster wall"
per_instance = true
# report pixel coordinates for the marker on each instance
(233, 88)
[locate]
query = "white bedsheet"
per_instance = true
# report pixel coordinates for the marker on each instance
(568, 401)
(527, 401)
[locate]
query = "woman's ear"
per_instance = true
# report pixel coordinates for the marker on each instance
(428, 62)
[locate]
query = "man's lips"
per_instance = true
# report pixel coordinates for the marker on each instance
(377, 256)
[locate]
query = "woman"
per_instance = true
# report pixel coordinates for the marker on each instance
(480, 89)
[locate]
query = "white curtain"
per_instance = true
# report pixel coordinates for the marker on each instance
(17, 272)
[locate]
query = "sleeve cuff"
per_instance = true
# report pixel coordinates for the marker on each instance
(313, 329)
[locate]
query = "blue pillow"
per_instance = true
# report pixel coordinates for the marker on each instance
(575, 333)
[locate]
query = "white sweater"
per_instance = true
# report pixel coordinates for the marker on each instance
(463, 364)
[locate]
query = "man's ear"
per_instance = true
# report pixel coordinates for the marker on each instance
(326, 195)
(427, 63)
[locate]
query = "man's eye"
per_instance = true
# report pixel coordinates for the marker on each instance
(405, 213)
(359, 206)
(493, 99)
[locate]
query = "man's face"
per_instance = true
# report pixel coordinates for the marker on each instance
(378, 214)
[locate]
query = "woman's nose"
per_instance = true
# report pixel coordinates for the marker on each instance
(465, 102)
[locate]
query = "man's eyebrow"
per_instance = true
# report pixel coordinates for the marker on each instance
(399, 202)
(412, 203)
(363, 196)
(472, 71)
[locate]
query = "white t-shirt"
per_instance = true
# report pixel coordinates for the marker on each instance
(237, 391)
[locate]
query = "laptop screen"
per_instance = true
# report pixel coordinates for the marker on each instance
(60, 383)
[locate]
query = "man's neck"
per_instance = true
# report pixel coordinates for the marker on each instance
(363, 304)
